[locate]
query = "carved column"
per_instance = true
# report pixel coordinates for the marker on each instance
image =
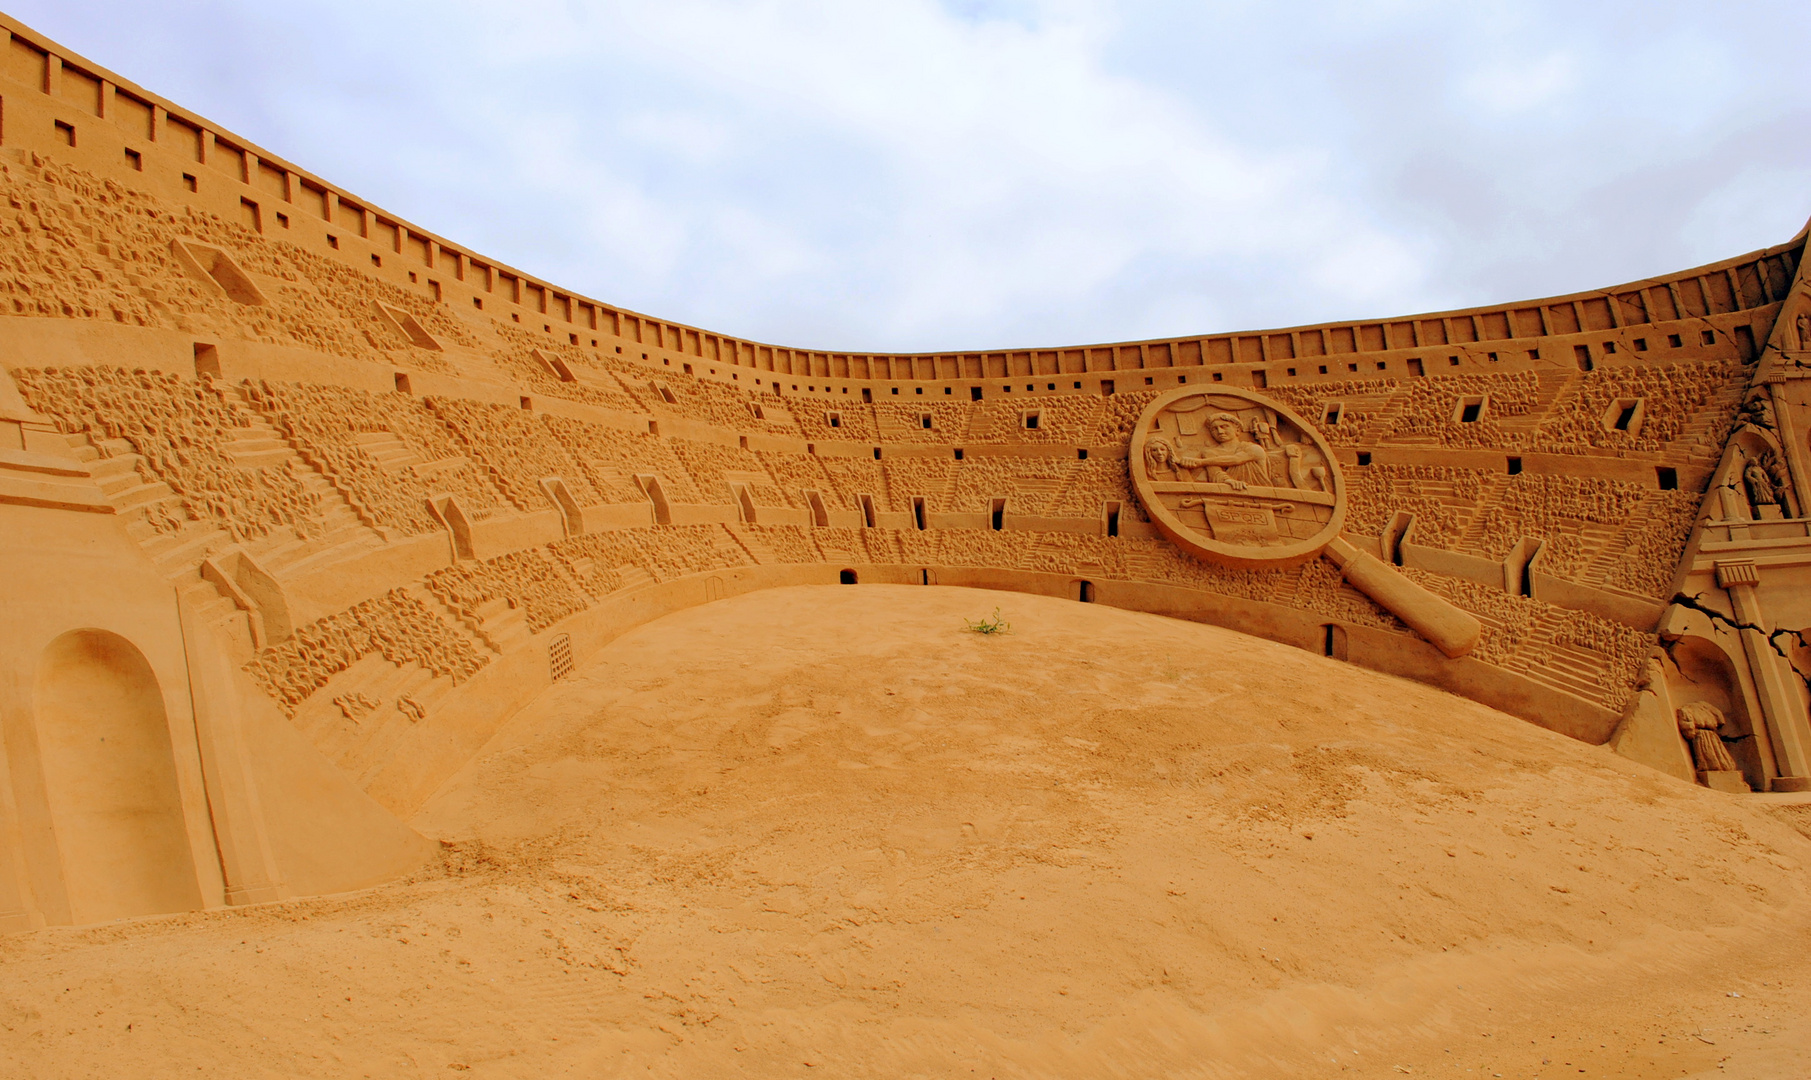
(1787, 725)
(14, 910)
(1779, 393)
(245, 855)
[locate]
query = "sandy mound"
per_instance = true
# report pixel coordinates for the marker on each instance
(827, 831)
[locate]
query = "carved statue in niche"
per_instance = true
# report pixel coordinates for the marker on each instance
(1804, 330)
(1761, 490)
(1699, 722)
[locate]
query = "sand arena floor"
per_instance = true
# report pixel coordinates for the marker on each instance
(828, 832)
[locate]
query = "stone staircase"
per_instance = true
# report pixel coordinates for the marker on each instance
(153, 515)
(1605, 541)
(390, 452)
(1570, 670)
(730, 552)
(752, 545)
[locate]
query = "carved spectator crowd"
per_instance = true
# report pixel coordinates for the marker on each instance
(88, 249)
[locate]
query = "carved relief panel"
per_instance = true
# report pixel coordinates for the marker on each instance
(1236, 478)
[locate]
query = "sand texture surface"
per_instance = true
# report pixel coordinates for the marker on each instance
(829, 832)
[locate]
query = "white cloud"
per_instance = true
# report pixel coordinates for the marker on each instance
(923, 174)
(1757, 201)
(1519, 84)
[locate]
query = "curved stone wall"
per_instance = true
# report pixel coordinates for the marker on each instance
(389, 490)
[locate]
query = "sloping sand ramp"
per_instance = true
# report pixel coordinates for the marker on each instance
(830, 832)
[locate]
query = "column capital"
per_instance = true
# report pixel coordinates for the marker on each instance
(1737, 572)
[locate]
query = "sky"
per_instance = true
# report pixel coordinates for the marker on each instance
(905, 175)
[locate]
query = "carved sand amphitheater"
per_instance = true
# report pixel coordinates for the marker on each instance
(412, 665)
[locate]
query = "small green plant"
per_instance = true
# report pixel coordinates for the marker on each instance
(995, 625)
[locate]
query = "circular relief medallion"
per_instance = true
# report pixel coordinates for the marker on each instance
(1236, 478)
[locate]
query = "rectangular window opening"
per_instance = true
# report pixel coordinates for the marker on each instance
(207, 361)
(918, 515)
(1667, 477)
(1515, 466)
(1364, 457)
(1582, 353)
(65, 132)
(1112, 519)
(135, 160)
(1745, 342)
(1333, 641)
(997, 519)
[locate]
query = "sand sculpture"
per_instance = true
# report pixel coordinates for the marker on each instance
(305, 501)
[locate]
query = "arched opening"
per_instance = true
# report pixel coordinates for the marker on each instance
(1707, 674)
(109, 781)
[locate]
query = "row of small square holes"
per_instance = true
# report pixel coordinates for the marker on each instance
(67, 133)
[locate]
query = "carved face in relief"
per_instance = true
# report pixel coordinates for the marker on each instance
(1236, 478)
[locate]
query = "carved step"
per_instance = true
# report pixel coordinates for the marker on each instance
(140, 494)
(340, 545)
(182, 552)
(757, 549)
(83, 450)
(505, 626)
(634, 577)
(389, 451)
